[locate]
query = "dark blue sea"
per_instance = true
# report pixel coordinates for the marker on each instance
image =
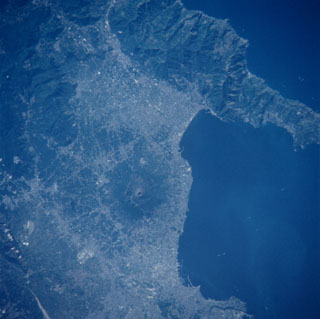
(93, 190)
(253, 226)
(284, 43)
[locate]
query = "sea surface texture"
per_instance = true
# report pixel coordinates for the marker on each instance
(95, 96)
